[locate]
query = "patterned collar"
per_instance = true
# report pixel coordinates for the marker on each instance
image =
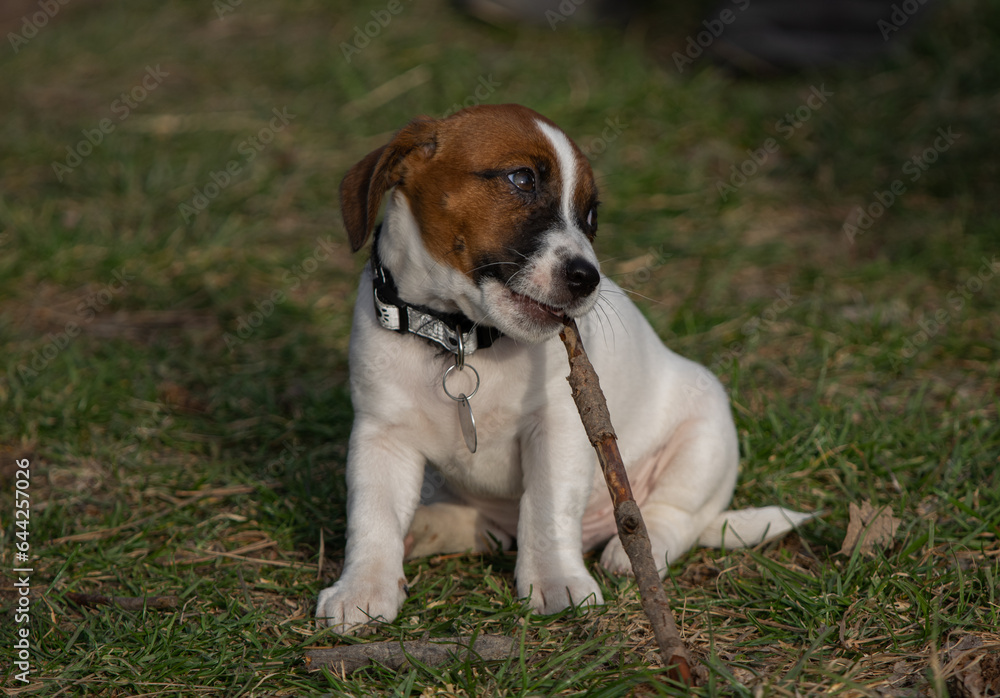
(453, 331)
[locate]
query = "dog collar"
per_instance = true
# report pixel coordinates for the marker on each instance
(453, 331)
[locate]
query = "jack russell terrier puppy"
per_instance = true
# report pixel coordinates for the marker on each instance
(457, 371)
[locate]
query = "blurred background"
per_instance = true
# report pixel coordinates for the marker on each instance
(802, 197)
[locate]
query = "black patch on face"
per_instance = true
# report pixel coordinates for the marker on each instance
(520, 247)
(590, 230)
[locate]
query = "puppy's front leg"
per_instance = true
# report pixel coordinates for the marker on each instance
(383, 488)
(558, 474)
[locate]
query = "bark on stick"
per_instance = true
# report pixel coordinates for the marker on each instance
(593, 409)
(395, 654)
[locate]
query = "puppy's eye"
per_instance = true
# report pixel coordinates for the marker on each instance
(592, 217)
(523, 180)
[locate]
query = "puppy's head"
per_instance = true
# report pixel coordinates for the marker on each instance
(503, 201)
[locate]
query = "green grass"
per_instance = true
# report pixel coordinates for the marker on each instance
(181, 444)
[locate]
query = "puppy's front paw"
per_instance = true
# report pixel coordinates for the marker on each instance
(348, 606)
(551, 595)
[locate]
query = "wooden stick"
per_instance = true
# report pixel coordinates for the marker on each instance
(128, 603)
(395, 654)
(596, 419)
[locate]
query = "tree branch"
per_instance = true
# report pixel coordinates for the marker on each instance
(395, 654)
(596, 419)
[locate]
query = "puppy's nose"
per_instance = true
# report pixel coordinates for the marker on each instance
(582, 277)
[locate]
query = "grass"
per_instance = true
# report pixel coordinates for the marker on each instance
(177, 380)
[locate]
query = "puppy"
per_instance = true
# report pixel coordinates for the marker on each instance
(457, 370)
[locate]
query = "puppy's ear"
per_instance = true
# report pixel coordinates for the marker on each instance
(365, 185)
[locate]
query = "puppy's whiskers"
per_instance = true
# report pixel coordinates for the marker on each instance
(602, 301)
(600, 322)
(627, 291)
(511, 278)
(517, 252)
(490, 264)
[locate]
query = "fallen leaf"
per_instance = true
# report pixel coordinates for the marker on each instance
(974, 671)
(869, 528)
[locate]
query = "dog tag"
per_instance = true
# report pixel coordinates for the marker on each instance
(465, 418)
(467, 422)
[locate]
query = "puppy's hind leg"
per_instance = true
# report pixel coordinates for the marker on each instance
(448, 527)
(444, 524)
(695, 477)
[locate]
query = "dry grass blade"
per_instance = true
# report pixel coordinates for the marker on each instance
(128, 603)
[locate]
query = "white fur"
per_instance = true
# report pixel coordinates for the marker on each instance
(534, 476)
(567, 165)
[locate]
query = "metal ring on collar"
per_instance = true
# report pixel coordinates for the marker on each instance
(460, 354)
(444, 382)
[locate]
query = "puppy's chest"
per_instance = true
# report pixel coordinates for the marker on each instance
(501, 409)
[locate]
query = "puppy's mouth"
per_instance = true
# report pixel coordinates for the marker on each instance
(528, 319)
(529, 308)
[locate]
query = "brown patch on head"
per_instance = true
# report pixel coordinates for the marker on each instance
(455, 174)
(364, 186)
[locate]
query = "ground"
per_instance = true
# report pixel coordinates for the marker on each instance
(175, 298)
